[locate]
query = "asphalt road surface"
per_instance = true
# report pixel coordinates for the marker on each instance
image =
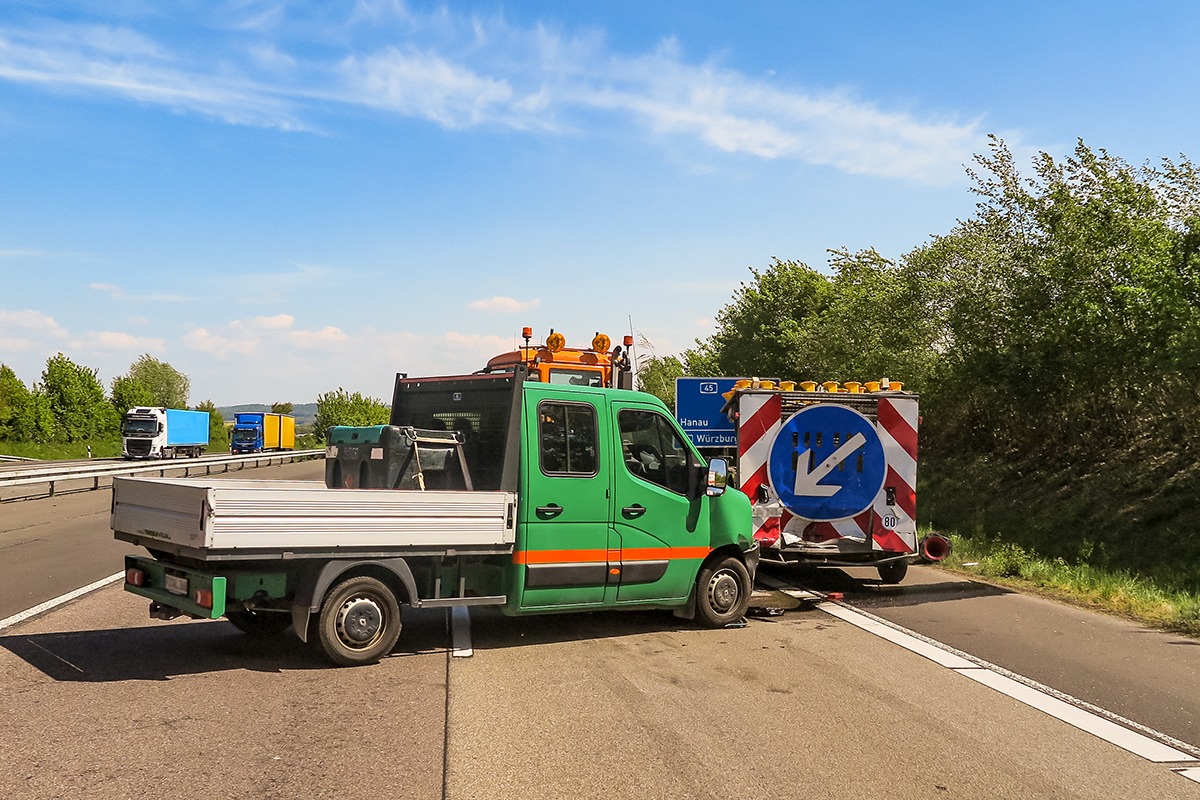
(97, 700)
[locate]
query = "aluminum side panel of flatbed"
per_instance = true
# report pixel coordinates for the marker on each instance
(284, 515)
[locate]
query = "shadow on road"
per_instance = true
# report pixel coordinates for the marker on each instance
(491, 630)
(860, 586)
(162, 651)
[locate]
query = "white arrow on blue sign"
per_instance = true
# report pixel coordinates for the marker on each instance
(827, 463)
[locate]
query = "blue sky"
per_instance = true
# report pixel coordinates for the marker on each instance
(284, 198)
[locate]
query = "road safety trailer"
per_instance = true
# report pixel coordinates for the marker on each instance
(488, 489)
(831, 473)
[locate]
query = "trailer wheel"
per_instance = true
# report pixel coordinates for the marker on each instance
(359, 622)
(255, 624)
(892, 572)
(722, 592)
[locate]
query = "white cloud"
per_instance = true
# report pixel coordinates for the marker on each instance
(425, 85)
(217, 345)
(505, 305)
(121, 62)
(117, 293)
(462, 70)
(485, 345)
(118, 341)
(31, 321)
(328, 338)
(276, 323)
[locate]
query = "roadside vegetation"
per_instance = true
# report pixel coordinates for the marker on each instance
(1054, 339)
(68, 414)
(1149, 602)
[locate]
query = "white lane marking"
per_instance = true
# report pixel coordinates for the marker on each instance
(460, 632)
(1099, 722)
(1086, 721)
(930, 651)
(1191, 773)
(58, 601)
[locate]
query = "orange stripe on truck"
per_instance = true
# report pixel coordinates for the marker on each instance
(592, 556)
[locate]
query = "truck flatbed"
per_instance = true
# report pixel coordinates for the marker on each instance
(215, 519)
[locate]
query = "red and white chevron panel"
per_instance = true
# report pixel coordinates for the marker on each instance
(883, 527)
(758, 423)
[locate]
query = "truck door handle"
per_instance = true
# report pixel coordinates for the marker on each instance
(552, 510)
(634, 511)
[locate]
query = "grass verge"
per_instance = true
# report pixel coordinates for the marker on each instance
(1116, 592)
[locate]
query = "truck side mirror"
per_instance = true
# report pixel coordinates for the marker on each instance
(718, 477)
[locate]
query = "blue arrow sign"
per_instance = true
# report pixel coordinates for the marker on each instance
(827, 463)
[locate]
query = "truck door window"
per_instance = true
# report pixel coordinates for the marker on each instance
(653, 450)
(567, 432)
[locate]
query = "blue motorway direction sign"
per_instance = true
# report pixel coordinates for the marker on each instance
(698, 403)
(827, 463)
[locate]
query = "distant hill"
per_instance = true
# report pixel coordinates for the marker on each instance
(305, 413)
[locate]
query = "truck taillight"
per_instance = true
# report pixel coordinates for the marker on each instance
(135, 577)
(204, 598)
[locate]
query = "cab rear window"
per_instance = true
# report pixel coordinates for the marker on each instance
(567, 437)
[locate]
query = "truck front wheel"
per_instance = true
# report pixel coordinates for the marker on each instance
(722, 592)
(359, 622)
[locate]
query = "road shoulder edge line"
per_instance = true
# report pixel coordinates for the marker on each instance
(29, 613)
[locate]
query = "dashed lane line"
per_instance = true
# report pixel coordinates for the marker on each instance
(460, 626)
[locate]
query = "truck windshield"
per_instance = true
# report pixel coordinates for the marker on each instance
(139, 427)
(577, 377)
(244, 436)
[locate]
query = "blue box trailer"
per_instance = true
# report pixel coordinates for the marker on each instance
(186, 428)
(164, 433)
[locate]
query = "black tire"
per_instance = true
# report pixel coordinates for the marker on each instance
(722, 592)
(892, 572)
(264, 624)
(359, 622)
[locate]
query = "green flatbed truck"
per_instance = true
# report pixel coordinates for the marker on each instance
(486, 489)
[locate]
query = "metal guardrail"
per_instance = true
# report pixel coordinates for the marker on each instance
(51, 475)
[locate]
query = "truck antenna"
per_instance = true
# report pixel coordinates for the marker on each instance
(633, 365)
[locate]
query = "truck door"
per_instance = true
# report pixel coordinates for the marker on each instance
(565, 503)
(663, 534)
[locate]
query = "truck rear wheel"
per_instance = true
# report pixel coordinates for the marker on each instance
(359, 622)
(892, 572)
(722, 592)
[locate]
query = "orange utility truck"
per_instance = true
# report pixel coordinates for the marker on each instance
(554, 362)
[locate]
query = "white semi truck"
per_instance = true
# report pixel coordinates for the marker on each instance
(148, 432)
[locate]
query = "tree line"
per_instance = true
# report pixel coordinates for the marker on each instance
(1053, 338)
(69, 405)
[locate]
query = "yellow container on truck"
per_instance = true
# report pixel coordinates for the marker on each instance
(279, 432)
